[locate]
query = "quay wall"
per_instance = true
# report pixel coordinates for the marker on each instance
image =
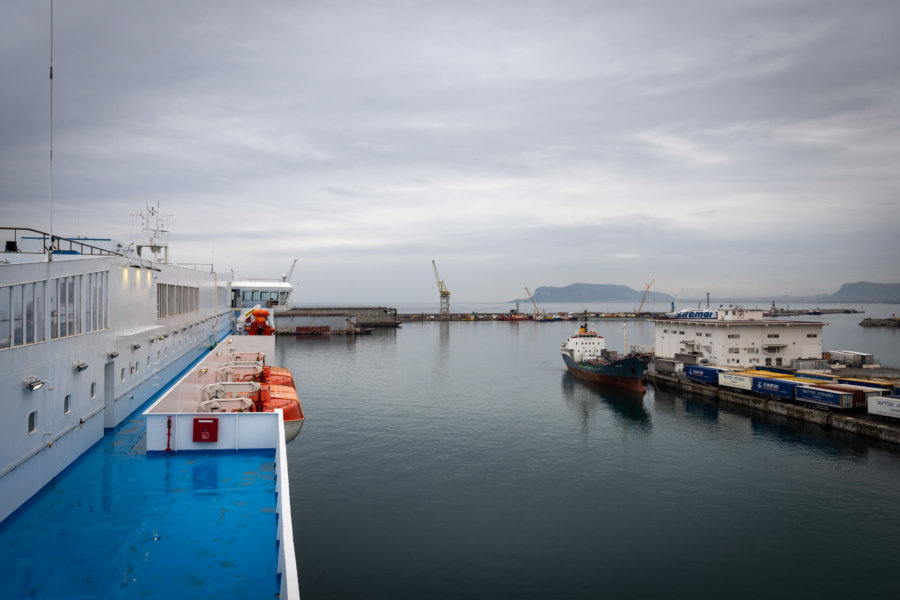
(860, 424)
(363, 316)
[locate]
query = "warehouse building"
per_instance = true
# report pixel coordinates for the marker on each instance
(737, 337)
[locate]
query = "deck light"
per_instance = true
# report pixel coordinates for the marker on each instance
(112, 354)
(204, 371)
(33, 383)
(135, 346)
(80, 365)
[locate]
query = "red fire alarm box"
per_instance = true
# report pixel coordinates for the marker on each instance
(206, 429)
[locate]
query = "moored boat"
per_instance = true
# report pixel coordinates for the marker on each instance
(586, 357)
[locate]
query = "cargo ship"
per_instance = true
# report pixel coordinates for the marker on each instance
(587, 358)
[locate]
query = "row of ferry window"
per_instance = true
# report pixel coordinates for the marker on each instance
(77, 304)
(135, 368)
(67, 400)
(262, 296)
(174, 300)
(67, 408)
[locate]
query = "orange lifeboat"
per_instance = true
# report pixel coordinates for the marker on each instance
(277, 376)
(258, 323)
(272, 396)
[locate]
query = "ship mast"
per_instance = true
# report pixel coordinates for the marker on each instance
(50, 253)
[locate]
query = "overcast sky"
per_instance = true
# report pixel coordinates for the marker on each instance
(738, 147)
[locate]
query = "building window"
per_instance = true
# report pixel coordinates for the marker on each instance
(772, 335)
(32, 422)
(733, 336)
(122, 375)
(812, 335)
(67, 404)
(777, 362)
(733, 350)
(93, 390)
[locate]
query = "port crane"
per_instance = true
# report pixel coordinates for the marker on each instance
(537, 311)
(444, 293)
(644, 297)
(675, 299)
(287, 277)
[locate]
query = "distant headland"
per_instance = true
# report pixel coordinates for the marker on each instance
(862, 291)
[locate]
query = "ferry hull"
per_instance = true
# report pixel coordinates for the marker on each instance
(625, 373)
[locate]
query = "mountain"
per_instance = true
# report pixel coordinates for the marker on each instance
(593, 292)
(866, 291)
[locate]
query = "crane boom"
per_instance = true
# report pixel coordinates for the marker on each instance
(290, 272)
(646, 291)
(537, 311)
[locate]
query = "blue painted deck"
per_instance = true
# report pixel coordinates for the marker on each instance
(122, 524)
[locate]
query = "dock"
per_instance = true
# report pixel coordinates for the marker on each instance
(334, 320)
(858, 423)
(788, 312)
(577, 316)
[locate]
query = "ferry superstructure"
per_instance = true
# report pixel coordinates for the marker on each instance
(87, 335)
(89, 332)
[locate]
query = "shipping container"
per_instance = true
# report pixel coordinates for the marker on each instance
(772, 369)
(704, 374)
(861, 394)
(885, 406)
(736, 380)
(885, 386)
(825, 397)
(771, 374)
(822, 376)
(781, 388)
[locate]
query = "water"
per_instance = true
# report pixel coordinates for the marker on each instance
(459, 460)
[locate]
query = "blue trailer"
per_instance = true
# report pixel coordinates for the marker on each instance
(704, 374)
(828, 398)
(779, 388)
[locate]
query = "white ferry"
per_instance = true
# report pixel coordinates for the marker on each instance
(88, 334)
(91, 330)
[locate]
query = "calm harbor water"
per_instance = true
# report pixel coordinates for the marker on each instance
(459, 460)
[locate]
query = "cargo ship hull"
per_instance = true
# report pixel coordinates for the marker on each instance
(625, 373)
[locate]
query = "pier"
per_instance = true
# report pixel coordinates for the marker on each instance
(858, 423)
(576, 316)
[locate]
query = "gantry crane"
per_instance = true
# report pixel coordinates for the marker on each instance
(445, 294)
(646, 291)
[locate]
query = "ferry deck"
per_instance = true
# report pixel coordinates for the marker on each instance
(124, 523)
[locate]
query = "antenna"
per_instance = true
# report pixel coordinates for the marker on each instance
(50, 253)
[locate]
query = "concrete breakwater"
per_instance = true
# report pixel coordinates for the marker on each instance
(894, 322)
(860, 423)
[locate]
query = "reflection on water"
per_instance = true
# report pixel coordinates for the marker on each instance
(589, 398)
(777, 428)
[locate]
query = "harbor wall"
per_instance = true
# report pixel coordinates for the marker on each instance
(851, 423)
(363, 316)
(318, 324)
